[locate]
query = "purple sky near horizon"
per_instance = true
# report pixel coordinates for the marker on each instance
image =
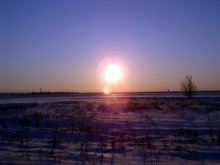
(57, 45)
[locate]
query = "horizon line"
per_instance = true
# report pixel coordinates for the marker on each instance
(72, 92)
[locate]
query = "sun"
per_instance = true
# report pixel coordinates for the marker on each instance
(113, 73)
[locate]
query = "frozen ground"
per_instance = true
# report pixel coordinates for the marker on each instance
(109, 130)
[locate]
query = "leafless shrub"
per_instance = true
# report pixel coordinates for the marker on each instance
(214, 136)
(25, 143)
(103, 108)
(84, 145)
(188, 87)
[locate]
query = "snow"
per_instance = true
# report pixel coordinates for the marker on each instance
(87, 129)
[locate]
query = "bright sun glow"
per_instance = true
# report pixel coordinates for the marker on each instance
(113, 73)
(106, 90)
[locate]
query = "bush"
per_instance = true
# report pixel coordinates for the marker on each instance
(188, 87)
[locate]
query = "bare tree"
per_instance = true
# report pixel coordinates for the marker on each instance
(188, 87)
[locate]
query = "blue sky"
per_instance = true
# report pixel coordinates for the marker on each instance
(57, 45)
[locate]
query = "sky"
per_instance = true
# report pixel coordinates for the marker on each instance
(58, 45)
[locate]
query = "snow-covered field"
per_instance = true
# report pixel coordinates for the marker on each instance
(128, 129)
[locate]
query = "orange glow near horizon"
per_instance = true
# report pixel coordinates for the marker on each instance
(106, 91)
